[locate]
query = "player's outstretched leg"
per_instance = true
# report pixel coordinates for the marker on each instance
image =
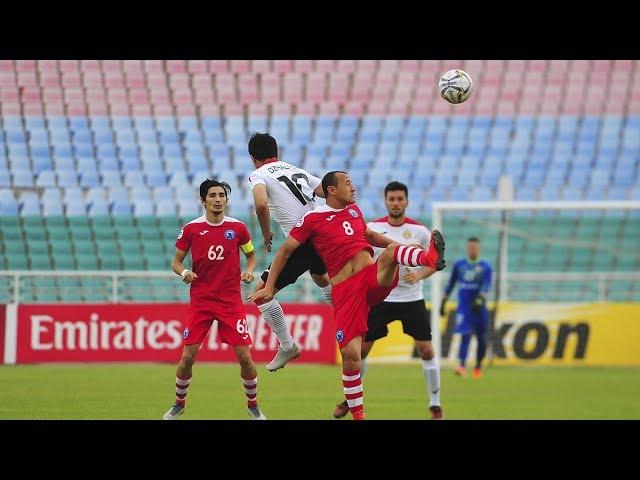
(351, 378)
(274, 315)
(183, 380)
(249, 376)
(414, 256)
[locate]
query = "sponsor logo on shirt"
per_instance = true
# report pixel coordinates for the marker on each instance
(204, 232)
(229, 234)
(330, 217)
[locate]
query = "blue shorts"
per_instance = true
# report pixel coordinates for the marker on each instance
(468, 321)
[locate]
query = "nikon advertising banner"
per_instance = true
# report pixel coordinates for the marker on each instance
(539, 334)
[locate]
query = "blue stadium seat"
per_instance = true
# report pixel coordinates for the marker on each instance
(134, 178)
(97, 209)
(111, 178)
(29, 204)
(121, 207)
(143, 209)
(22, 178)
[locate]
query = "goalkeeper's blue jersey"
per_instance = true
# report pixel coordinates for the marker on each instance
(474, 277)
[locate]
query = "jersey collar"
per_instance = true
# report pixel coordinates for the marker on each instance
(327, 208)
(391, 224)
(224, 217)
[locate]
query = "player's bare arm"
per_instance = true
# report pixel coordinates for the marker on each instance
(252, 261)
(262, 212)
(179, 269)
(377, 239)
(282, 255)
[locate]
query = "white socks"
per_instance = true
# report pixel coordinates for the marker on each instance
(274, 316)
(431, 372)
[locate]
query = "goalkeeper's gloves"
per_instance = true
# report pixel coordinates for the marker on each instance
(478, 304)
(442, 303)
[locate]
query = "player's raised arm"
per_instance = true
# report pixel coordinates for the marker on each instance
(377, 239)
(282, 255)
(262, 212)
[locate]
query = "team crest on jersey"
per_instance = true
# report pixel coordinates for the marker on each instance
(353, 213)
(478, 268)
(406, 234)
(339, 335)
(185, 334)
(229, 234)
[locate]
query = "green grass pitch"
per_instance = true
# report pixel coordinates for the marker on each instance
(146, 391)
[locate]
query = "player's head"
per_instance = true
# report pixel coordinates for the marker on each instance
(214, 195)
(473, 247)
(396, 199)
(262, 146)
(337, 187)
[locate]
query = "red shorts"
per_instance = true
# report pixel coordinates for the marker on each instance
(353, 298)
(232, 324)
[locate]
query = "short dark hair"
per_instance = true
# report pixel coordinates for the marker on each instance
(473, 239)
(329, 180)
(263, 146)
(208, 183)
(393, 186)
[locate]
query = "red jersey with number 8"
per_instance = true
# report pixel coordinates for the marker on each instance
(215, 259)
(337, 235)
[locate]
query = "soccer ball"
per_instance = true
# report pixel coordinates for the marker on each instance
(455, 86)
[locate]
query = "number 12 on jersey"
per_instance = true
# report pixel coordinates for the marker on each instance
(295, 187)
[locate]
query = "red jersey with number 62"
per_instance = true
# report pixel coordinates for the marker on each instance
(215, 258)
(337, 235)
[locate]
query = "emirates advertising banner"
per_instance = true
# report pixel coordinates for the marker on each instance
(150, 333)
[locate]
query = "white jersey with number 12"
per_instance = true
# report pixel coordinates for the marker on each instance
(289, 191)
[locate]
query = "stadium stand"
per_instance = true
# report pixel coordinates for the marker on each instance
(103, 158)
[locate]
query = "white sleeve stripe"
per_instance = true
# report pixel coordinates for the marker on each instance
(414, 257)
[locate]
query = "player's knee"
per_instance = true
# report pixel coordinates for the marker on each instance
(425, 351)
(390, 250)
(188, 359)
(350, 359)
(244, 358)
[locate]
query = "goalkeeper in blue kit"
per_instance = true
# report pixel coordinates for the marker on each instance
(472, 315)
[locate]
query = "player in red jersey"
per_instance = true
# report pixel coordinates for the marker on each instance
(343, 241)
(215, 240)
